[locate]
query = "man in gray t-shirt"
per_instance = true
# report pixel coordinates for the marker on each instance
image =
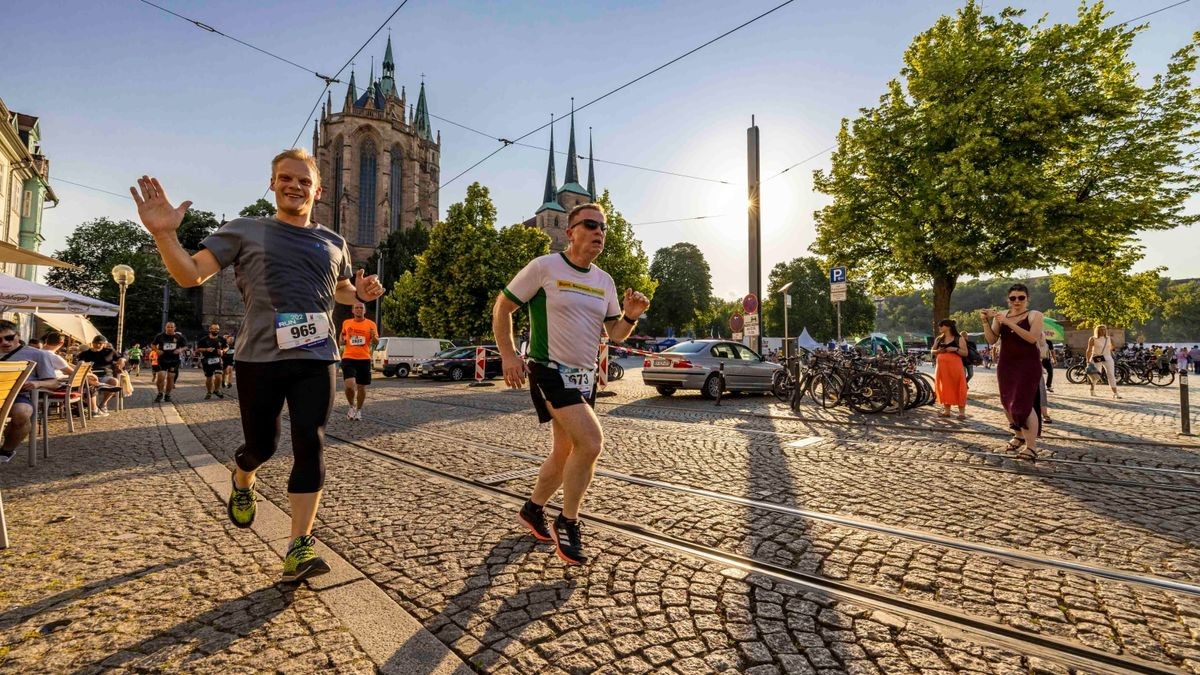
(290, 271)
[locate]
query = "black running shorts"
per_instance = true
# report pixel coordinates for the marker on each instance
(211, 369)
(546, 385)
(172, 368)
(227, 359)
(359, 369)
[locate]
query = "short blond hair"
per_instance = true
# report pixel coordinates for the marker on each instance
(302, 155)
(585, 207)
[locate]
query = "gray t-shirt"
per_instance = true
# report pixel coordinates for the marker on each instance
(281, 268)
(43, 364)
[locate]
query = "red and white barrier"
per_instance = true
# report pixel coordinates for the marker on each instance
(603, 375)
(480, 363)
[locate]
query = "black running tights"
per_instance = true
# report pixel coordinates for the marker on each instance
(1049, 367)
(307, 386)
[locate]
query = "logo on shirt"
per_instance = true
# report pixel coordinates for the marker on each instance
(575, 287)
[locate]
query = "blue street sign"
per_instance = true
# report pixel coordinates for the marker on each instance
(837, 275)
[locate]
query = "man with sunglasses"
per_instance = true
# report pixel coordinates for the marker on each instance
(43, 377)
(570, 301)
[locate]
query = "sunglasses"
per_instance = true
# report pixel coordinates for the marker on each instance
(594, 225)
(1016, 298)
(8, 338)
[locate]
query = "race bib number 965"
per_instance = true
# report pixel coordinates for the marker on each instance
(298, 331)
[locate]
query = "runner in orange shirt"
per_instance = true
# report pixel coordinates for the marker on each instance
(359, 336)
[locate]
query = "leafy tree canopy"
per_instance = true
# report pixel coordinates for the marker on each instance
(258, 209)
(623, 257)
(811, 307)
(684, 288)
(1107, 294)
(1010, 146)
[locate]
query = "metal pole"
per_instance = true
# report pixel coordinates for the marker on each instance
(839, 317)
(121, 320)
(786, 349)
(1185, 414)
(166, 303)
(754, 213)
(379, 300)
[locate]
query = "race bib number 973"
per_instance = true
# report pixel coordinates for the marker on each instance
(298, 331)
(582, 380)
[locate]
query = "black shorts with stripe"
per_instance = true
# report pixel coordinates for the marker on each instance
(546, 385)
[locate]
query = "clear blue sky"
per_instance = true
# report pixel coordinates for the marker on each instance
(124, 89)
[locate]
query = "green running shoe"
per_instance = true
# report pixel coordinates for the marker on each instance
(241, 505)
(302, 561)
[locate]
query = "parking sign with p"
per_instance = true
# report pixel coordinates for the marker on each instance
(837, 275)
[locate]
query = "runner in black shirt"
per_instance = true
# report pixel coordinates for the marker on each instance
(211, 349)
(170, 345)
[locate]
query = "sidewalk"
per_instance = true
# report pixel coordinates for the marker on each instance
(122, 557)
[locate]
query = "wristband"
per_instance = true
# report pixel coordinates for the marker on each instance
(358, 298)
(631, 322)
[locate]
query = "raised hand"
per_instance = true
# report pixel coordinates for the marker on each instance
(635, 304)
(155, 209)
(367, 288)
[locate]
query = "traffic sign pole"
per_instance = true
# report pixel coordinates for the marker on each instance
(754, 214)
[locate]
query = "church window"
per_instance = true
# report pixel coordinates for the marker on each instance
(337, 185)
(367, 177)
(396, 189)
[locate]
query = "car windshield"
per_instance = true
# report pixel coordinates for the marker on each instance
(460, 353)
(686, 348)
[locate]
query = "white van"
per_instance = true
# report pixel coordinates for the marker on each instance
(398, 356)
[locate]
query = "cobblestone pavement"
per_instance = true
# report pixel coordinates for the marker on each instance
(457, 560)
(122, 558)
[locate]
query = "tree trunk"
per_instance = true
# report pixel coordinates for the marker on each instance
(943, 288)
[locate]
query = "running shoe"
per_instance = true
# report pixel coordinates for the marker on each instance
(219, 393)
(158, 398)
(241, 504)
(100, 413)
(302, 560)
(6, 455)
(534, 517)
(358, 414)
(350, 413)
(567, 542)
(208, 396)
(167, 398)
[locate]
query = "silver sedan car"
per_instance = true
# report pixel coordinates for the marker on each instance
(694, 365)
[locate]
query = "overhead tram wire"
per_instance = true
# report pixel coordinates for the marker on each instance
(1160, 9)
(205, 27)
(595, 159)
(677, 220)
(89, 187)
(506, 142)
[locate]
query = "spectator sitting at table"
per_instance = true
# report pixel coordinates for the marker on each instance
(103, 359)
(52, 342)
(12, 349)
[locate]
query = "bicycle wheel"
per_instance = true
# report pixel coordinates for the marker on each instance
(826, 390)
(870, 394)
(898, 393)
(1076, 374)
(782, 386)
(1159, 378)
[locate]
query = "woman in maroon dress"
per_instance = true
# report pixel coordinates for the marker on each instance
(1019, 369)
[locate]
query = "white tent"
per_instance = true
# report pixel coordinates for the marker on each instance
(75, 325)
(805, 340)
(19, 295)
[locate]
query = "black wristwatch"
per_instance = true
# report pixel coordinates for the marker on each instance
(632, 322)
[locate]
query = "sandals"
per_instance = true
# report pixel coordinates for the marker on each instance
(943, 414)
(1014, 444)
(960, 416)
(1027, 454)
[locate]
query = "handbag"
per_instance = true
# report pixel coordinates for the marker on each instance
(1092, 369)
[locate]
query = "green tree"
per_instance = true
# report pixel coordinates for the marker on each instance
(714, 320)
(258, 209)
(399, 253)
(96, 247)
(401, 308)
(1010, 146)
(811, 307)
(466, 264)
(1181, 312)
(623, 257)
(1108, 294)
(195, 227)
(684, 288)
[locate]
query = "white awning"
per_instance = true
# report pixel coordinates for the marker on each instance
(75, 325)
(11, 253)
(19, 295)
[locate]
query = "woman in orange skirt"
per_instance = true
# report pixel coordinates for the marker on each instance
(950, 378)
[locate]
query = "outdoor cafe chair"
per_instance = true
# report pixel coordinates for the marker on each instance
(73, 393)
(13, 375)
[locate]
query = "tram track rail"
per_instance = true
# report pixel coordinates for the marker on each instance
(954, 622)
(961, 447)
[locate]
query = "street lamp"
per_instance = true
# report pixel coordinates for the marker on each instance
(787, 302)
(123, 275)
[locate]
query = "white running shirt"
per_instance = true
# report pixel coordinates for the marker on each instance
(568, 307)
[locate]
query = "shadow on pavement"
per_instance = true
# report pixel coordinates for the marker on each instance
(203, 635)
(17, 615)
